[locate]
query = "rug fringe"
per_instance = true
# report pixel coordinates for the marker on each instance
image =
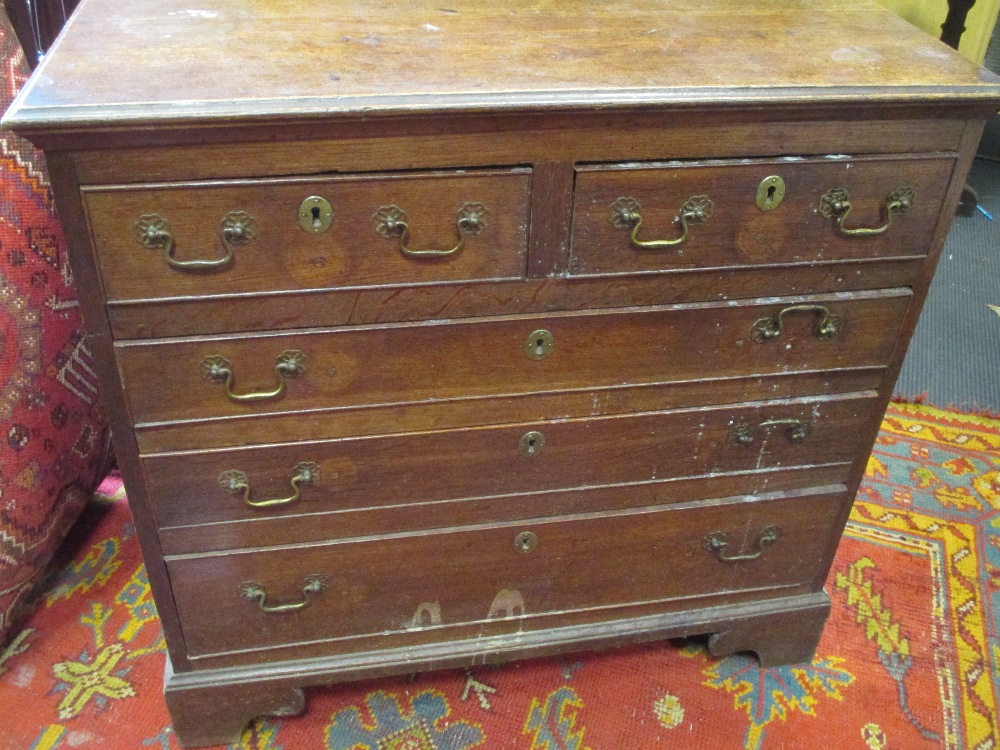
(920, 398)
(964, 409)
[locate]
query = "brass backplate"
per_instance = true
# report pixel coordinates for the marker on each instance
(539, 344)
(531, 444)
(770, 193)
(315, 214)
(525, 542)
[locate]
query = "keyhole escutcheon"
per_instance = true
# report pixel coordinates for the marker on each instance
(531, 444)
(539, 344)
(315, 214)
(770, 193)
(525, 542)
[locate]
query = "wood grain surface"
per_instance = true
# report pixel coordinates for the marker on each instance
(282, 256)
(451, 141)
(408, 582)
(375, 419)
(440, 361)
(737, 232)
(362, 473)
(407, 517)
(141, 319)
(261, 59)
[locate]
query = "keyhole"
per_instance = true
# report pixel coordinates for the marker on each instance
(531, 444)
(525, 542)
(539, 344)
(770, 193)
(315, 214)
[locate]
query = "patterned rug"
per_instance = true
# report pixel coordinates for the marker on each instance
(908, 660)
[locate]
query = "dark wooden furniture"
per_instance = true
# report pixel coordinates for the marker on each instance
(37, 24)
(954, 22)
(951, 34)
(466, 333)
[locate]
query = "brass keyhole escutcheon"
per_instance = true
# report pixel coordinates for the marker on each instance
(770, 193)
(539, 344)
(531, 444)
(525, 542)
(315, 214)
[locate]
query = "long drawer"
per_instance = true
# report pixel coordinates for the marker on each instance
(331, 477)
(355, 594)
(308, 233)
(197, 316)
(172, 380)
(303, 528)
(746, 213)
(338, 422)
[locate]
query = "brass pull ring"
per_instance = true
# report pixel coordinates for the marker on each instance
(717, 543)
(827, 327)
(836, 204)
(289, 364)
(235, 481)
(626, 213)
(796, 430)
(312, 585)
(236, 228)
(391, 222)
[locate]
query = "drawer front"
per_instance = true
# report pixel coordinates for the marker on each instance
(205, 316)
(282, 255)
(186, 380)
(520, 574)
(348, 475)
(732, 230)
(338, 422)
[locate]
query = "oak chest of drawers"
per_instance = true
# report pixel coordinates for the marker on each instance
(434, 335)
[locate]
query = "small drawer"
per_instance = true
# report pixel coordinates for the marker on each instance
(272, 487)
(177, 380)
(753, 212)
(198, 239)
(511, 577)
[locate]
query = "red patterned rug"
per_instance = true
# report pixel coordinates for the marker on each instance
(908, 660)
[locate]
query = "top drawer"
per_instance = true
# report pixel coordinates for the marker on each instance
(380, 227)
(708, 212)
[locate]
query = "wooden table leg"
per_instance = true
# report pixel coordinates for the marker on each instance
(951, 32)
(954, 23)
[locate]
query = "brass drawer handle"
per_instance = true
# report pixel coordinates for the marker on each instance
(836, 204)
(236, 228)
(717, 543)
(391, 222)
(827, 327)
(626, 213)
(235, 481)
(795, 430)
(289, 364)
(313, 584)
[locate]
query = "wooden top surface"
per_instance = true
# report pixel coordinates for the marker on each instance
(136, 62)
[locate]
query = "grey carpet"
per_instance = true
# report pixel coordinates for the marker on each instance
(954, 357)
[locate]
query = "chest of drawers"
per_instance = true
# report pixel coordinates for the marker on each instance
(434, 336)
